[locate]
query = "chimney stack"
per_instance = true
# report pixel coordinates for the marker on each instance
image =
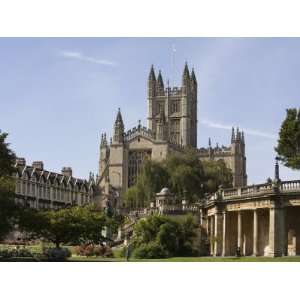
(38, 165)
(66, 171)
(20, 162)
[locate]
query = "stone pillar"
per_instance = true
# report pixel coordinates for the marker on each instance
(207, 225)
(200, 218)
(224, 235)
(239, 231)
(277, 236)
(218, 235)
(211, 237)
(255, 232)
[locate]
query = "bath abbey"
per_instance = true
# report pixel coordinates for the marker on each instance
(258, 220)
(172, 126)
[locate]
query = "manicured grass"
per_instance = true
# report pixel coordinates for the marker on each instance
(173, 259)
(191, 259)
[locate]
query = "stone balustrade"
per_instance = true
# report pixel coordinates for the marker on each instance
(256, 190)
(293, 185)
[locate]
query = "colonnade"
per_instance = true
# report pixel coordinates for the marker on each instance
(259, 231)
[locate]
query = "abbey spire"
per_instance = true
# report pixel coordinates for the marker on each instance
(118, 129)
(185, 75)
(193, 77)
(152, 74)
(160, 85)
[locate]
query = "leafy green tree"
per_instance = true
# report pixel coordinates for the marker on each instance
(131, 197)
(183, 173)
(7, 187)
(160, 236)
(216, 174)
(288, 147)
(152, 178)
(75, 225)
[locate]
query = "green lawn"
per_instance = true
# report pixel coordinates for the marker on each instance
(173, 259)
(192, 259)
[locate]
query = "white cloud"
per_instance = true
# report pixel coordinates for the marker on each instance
(80, 56)
(246, 130)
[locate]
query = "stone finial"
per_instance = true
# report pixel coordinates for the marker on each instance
(119, 119)
(152, 74)
(193, 76)
(160, 80)
(104, 139)
(232, 136)
(186, 74)
(238, 135)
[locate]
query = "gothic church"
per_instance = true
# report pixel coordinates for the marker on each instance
(172, 126)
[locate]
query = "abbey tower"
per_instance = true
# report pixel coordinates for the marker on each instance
(178, 106)
(172, 126)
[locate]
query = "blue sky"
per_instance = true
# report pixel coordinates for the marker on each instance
(58, 94)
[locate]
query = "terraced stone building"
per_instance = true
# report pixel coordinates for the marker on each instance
(42, 189)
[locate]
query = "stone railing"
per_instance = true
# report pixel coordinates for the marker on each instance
(287, 186)
(255, 190)
(174, 208)
(164, 209)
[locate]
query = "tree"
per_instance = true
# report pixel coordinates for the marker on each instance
(216, 174)
(75, 225)
(152, 178)
(184, 173)
(288, 147)
(7, 187)
(161, 236)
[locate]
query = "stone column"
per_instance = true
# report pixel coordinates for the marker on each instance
(240, 237)
(207, 225)
(224, 234)
(200, 218)
(218, 234)
(211, 237)
(255, 232)
(277, 236)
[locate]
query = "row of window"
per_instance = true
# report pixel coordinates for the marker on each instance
(47, 192)
(39, 204)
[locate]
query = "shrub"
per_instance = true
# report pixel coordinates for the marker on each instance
(88, 250)
(99, 250)
(78, 250)
(160, 236)
(8, 253)
(151, 250)
(57, 254)
(108, 252)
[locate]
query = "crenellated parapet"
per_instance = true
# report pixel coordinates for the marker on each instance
(173, 91)
(216, 151)
(139, 131)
